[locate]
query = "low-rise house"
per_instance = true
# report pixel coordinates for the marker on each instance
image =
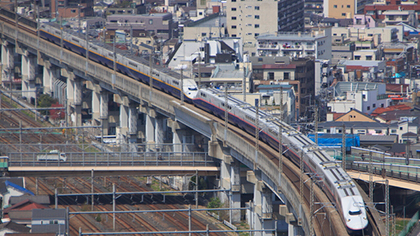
(50, 221)
(361, 96)
(13, 228)
(21, 212)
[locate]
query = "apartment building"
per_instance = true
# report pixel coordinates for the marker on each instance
(316, 44)
(340, 9)
(379, 7)
(250, 18)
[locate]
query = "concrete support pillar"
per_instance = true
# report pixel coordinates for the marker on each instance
(47, 78)
(78, 101)
(8, 64)
(160, 128)
(123, 117)
(28, 66)
(104, 112)
(96, 105)
(96, 98)
(150, 129)
(177, 134)
(235, 199)
(262, 216)
(132, 123)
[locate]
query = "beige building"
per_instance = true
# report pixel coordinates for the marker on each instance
(340, 9)
(250, 18)
(368, 55)
(344, 9)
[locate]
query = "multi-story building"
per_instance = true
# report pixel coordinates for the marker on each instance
(158, 24)
(343, 8)
(213, 26)
(298, 72)
(71, 8)
(316, 44)
(376, 35)
(394, 17)
(314, 6)
(364, 97)
(380, 6)
(250, 18)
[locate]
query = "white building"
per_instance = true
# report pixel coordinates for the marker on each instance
(364, 97)
(316, 44)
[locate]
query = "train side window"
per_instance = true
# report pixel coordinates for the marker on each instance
(132, 64)
(175, 82)
(110, 54)
(203, 94)
(94, 48)
(229, 107)
(223, 104)
(75, 40)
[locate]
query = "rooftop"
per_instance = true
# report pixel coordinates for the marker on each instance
(290, 36)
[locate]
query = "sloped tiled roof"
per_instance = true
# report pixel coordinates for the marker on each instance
(399, 107)
(24, 205)
(15, 227)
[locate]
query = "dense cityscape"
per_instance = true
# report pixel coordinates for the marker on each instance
(290, 117)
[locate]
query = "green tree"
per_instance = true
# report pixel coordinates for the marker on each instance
(45, 100)
(214, 203)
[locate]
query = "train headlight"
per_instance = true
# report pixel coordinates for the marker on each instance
(364, 218)
(348, 220)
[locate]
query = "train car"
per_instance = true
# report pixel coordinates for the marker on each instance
(133, 66)
(338, 186)
(4, 162)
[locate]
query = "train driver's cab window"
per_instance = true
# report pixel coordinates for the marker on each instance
(355, 213)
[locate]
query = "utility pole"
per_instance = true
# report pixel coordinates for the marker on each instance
(244, 85)
(316, 125)
(151, 77)
(182, 85)
(343, 148)
(131, 39)
(301, 188)
(199, 71)
(257, 132)
(386, 207)
(226, 115)
(370, 177)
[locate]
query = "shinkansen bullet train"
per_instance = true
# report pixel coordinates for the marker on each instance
(337, 184)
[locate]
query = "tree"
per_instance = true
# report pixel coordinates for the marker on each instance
(45, 100)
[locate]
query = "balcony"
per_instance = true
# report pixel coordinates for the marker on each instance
(268, 46)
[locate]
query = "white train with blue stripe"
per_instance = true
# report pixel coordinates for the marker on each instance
(337, 184)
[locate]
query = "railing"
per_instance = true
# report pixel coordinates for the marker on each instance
(116, 159)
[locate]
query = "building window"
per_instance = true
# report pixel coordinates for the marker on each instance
(256, 34)
(286, 75)
(257, 26)
(260, 59)
(368, 58)
(348, 6)
(151, 22)
(203, 34)
(257, 17)
(382, 105)
(257, 8)
(233, 9)
(343, 14)
(374, 105)
(233, 35)
(356, 57)
(233, 26)
(401, 128)
(270, 75)
(368, 108)
(73, 11)
(233, 0)
(335, 6)
(233, 18)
